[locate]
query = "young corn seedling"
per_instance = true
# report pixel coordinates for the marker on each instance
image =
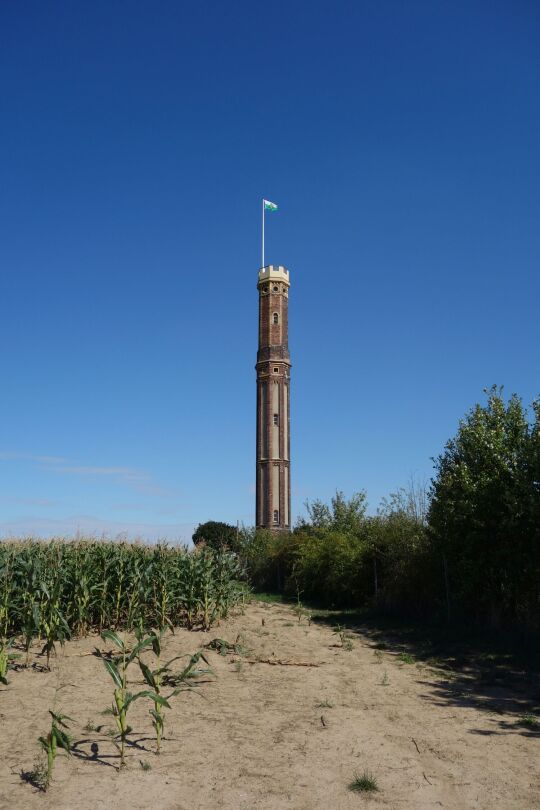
(299, 608)
(122, 698)
(344, 637)
(6, 657)
(55, 739)
(155, 678)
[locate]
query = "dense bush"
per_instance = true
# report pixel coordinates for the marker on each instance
(484, 516)
(338, 555)
(470, 547)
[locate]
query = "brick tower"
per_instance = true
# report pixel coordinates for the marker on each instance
(273, 486)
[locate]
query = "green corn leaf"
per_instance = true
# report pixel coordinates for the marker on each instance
(142, 645)
(152, 695)
(157, 717)
(166, 666)
(156, 644)
(147, 674)
(59, 718)
(110, 635)
(160, 700)
(113, 672)
(63, 740)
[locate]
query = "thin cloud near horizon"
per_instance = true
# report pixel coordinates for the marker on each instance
(138, 480)
(89, 525)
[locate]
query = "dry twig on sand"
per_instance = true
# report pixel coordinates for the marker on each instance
(277, 662)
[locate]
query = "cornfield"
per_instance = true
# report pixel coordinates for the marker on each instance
(58, 589)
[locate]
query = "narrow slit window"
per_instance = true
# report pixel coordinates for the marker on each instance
(276, 317)
(276, 419)
(276, 516)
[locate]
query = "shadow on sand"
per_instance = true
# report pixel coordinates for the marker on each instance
(494, 673)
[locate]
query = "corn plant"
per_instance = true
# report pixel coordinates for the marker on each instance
(155, 678)
(5, 591)
(55, 739)
(162, 583)
(53, 589)
(122, 699)
(29, 612)
(53, 624)
(84, 591)
(6, 657)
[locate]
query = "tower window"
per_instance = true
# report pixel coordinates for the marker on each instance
(276, 419)
(275, 317)
(276, 370)
(276, 289)
(276, 516)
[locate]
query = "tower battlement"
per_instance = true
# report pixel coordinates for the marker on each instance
(273, 272)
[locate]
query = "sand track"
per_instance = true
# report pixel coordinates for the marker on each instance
(261, 736)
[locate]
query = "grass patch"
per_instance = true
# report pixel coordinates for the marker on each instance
(529, 721)
(406, 658)
(37, 777)
(269, 598)
(365, 783)
(324, 704)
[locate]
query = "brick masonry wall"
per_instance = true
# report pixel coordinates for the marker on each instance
(273, 353)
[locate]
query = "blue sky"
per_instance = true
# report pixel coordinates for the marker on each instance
(401, 143)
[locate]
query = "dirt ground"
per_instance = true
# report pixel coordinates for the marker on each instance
(275, 736)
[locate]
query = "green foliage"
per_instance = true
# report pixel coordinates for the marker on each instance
(469, 547)
(529, 720)
(485, 508)
(56, 738)
(216, 535)
(364, 783)
(160, 675)
(6, 659)
(117, 667)
(342, 515)
(267, 556)
(51, 590)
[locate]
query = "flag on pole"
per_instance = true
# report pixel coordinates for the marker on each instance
(269, 206)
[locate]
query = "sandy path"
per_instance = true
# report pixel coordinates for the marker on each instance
(257, 739)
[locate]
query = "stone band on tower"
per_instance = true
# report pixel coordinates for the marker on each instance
(273, 484)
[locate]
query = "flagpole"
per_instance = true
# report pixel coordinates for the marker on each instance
(262, 233)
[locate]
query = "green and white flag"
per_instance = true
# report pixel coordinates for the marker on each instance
(269, 206)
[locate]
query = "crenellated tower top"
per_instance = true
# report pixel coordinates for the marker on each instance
(273, 273)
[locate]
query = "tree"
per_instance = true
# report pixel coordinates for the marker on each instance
(342, 515)
(216, 535)
(480, 515)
